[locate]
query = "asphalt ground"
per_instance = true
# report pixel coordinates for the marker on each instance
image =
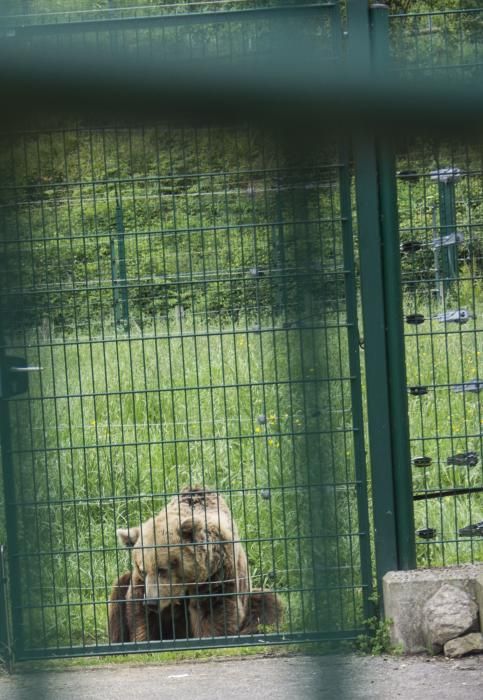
(260, 678)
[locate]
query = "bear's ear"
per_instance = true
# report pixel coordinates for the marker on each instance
(128, 537)
(192, 530)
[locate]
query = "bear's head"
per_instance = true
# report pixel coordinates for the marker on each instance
(175, 554)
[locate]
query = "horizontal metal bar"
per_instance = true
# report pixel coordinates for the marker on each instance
(189, 644)
(191, 279)
(298, 537)
(441, 493)
(255, 491)
(66, 340)
(202, 439)
(301, 381)
(164, 233)
(437, 13)
(236, 175)
(42, 605)
(190, 19)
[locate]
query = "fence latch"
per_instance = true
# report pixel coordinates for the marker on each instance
(14, 376)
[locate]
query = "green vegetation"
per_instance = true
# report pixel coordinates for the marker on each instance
(377, 639)
(440, 356)
(216, 374)
(184, 292)
(117, 427)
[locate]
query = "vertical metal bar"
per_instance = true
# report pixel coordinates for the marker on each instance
(114, 276)
(355, 373)
(399, 421)
(447, 249)
(353, 341)
(10, 510)
(447, 222)
(373, 313)
(6, 650)
(121, 265)
(377, 372)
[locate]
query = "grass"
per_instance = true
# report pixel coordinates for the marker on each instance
(119, 424)
(444, 423)
(116, 421)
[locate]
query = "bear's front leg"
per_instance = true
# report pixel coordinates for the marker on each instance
(137, 612)
(214, 616)
(118, 622)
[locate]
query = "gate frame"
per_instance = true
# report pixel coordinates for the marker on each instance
(376, 200)
(380, 274)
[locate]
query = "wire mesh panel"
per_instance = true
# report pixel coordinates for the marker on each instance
(236, 31)
(188, 296)
(439, 194)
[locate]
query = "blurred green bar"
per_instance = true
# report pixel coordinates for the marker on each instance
(288, 90)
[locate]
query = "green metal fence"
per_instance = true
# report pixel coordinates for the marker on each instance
(183, 302)
(439, 197)
(180, 306)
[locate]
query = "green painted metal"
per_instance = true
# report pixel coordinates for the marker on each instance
(120, 284)
(179, 19)
(446, 251)
(356, 388)
(393, 303)
(441, 293)
(375, 321)
(9, 515)
(6, 655)
(231, 267)
(375, 355)
(233, 271)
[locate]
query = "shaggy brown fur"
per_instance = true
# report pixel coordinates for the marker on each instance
(188, 556)
(131, 620)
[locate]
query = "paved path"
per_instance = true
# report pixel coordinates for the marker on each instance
(260, 678)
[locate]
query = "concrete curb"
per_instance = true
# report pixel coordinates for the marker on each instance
(406, 593)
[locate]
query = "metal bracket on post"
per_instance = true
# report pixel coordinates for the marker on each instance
(14, 376)
(445, 245)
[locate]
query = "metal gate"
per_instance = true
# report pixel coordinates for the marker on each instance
(180, 308)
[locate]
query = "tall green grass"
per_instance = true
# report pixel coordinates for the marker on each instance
(445, 422)
(115, 425)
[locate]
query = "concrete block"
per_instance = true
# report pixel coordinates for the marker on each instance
(406, 593)
(479, 596)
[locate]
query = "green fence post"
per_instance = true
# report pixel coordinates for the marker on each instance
(445, 245)
(389, 226)
(6, 651)
(10, 512)
(373, 313)
(376, 196)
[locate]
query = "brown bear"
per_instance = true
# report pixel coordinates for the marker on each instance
(190, 576)
(131, 620)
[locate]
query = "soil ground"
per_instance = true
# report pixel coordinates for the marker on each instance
(260, 678)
